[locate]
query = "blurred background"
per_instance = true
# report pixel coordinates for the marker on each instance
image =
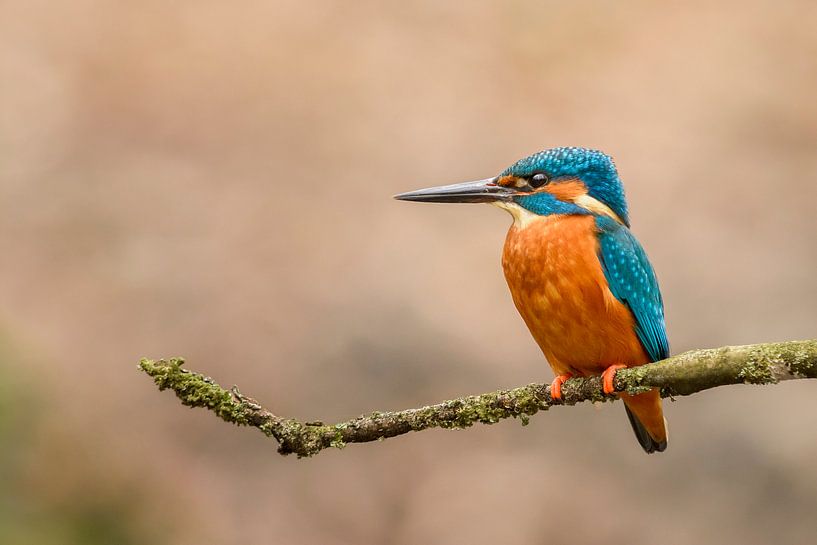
(213, 180)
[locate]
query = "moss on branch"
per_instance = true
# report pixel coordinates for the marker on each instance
(679, 375)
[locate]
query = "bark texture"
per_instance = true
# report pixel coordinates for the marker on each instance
(679, 375)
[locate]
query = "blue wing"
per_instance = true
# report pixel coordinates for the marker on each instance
(632, 281)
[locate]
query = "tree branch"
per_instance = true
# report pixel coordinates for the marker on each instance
(679, 375)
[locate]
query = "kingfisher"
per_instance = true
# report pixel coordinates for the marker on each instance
(580, 279)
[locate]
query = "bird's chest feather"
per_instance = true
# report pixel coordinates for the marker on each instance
(552, 267)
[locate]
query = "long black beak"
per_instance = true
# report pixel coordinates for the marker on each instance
(479, 191)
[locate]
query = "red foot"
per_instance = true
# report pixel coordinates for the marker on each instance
(607, 378)
(556, 386)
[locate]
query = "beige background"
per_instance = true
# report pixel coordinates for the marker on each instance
(214, 180)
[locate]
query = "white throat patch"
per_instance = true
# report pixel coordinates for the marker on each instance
(521, 216)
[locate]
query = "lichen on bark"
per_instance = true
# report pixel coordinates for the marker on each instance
(679, 375)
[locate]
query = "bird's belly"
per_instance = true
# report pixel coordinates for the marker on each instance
(557, 283)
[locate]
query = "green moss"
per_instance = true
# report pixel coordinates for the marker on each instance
(680, 375)
(295, 437)
(195, 390)
(337, 442)
(488, 411)
(268, 428)
(758, 369)
(530, 400)
(635, 377)
(803, 362)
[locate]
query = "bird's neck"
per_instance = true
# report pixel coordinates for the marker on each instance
(583, 205)
(523, 218)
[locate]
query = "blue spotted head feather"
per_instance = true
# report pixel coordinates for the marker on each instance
(592, 167)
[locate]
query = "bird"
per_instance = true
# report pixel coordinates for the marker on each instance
(577, 275)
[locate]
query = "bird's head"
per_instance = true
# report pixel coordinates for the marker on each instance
(554, 181)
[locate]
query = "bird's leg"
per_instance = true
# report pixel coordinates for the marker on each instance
(607, 378)
(556, 386)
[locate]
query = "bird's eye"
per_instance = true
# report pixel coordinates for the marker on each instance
(539, 179)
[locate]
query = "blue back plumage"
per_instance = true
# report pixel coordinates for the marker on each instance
(632, 281)
(595, 168)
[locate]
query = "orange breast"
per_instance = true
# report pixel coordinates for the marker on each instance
(553, 270)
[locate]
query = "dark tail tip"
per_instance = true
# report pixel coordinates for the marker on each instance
(646, 441)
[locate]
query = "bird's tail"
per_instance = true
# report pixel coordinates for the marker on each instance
(647, 419)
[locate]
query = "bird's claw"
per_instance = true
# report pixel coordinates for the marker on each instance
(608, 377)
(556, 386)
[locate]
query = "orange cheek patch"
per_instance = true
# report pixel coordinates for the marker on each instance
(510, 181)
(567, 191)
